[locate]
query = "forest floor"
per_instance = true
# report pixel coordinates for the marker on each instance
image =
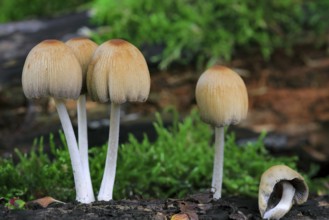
(195, 207)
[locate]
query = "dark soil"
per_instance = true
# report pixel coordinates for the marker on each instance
(289, 97)
(195, 207)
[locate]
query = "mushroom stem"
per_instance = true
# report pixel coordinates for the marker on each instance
(83, 141)
(106, 190)
(81, 185)
(217, 176)
(288, 192)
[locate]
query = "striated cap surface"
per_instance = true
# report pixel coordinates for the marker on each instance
(51, 69)
(221, 96)
(118, 72)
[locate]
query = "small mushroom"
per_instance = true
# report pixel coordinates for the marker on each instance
(51, 69)
(222, 100)
(280, 187)
(83, 49)
(117, 72)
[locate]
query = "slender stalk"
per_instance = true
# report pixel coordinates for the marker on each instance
(285, 203)
(79, 180)
(217, 176)
(83, 142)
(106, 190)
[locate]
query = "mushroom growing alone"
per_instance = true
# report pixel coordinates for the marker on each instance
(117, 72)
(83, 48)
(222, 99)
(280, 187)
(51, 69)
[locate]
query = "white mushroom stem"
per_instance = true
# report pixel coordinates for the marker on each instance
(83, 141)
(82, 194)
(106, 190)
(217, 176)
(285, 203)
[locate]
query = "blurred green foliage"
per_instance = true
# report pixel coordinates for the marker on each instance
(36, 175)
(178, 163)
(209, 31)
(13, 10)
(197, 32)
(15, 203)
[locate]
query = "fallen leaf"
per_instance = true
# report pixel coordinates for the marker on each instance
(190, 215)
(180, 216)
(44, 202)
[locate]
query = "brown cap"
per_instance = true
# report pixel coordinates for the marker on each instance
(221, 96)
(83, 49)
(51, 69)
(270, 186)
(118, 72)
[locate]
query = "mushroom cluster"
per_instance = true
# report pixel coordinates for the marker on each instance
(115, 71)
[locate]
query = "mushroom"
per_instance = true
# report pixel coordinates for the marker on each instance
(118, 73)
(83, 49)
(222, 99)
(280, 187)
(51, 69)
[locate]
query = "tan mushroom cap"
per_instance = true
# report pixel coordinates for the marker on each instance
(275, 175)
(221, 96)
(51, 69)
(118, 72)
(83, 48)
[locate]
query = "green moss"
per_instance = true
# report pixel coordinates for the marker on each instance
(177, 163)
